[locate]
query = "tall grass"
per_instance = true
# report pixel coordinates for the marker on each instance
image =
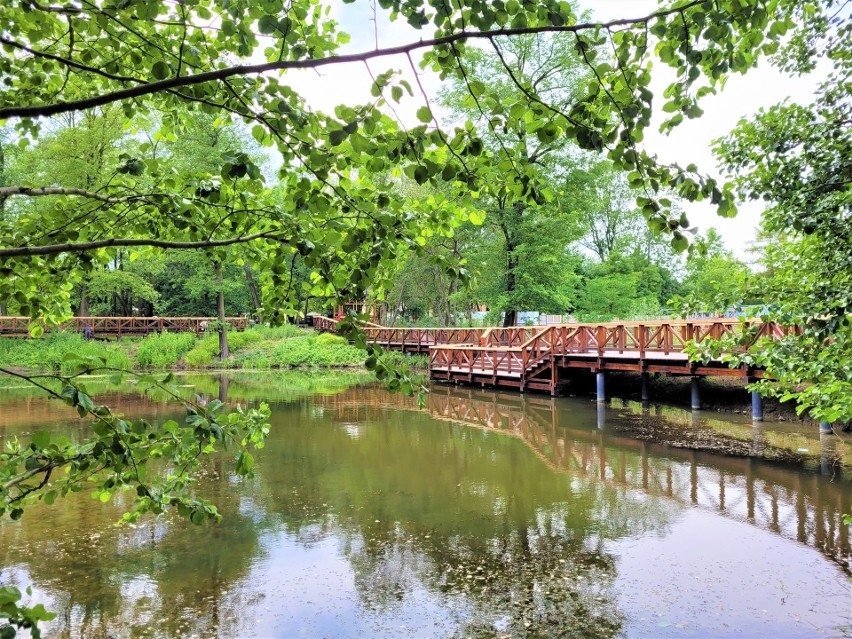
(206, 350)
(51, 352)
(260, 347)
(164, 349)
(316, 350)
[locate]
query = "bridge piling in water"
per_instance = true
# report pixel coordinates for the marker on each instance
(756, 407)
(600, 378)
(695, 393)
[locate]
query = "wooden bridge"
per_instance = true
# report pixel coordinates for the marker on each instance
(542, 357)
(122, 326)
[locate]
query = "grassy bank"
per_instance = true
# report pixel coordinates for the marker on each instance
(256, 348)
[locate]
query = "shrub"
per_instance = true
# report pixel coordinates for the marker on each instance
(327, 339)
(204, 352)
(321, 350)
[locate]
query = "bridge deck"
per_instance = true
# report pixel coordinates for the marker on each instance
(541, 357)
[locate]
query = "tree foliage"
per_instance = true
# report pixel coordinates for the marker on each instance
(335, 202)
(797, 159)
(149, 57)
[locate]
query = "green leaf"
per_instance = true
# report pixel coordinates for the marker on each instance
(41, 439)
(160, 70)
(424, 114)
(267, 24)
(679, 243)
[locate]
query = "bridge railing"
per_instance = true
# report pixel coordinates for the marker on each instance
(119, 326)
(462, 358)
(638, 339)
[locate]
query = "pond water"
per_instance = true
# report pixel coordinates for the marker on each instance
(480, 515)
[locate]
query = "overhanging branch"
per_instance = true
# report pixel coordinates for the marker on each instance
(82, 247)
(281, 65)
(7, 191)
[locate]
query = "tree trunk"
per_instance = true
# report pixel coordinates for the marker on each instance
(451, 306)
(220, 314)
(83, 310)
(508, 227)
(510, 317)
(252, 287)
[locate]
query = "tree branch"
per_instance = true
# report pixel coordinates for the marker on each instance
(7, 191)
(81, 247)
(241, 70)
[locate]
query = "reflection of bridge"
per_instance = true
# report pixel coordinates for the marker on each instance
(122, 326)
(795, 504)
(541, 357)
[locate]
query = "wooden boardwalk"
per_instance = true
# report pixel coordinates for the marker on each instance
(542, 358)
(122, 326)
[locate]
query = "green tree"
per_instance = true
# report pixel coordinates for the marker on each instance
(530, 158)
(117, 292)
(332, 205)
(797, 158)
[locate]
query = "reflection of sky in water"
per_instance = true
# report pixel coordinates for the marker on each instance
(710, 575)
(369, 522)
(311, 592)
(352, 429)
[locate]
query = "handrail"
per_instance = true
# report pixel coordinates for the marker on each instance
(661, 336)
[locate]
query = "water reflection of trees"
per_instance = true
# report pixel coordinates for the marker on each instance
(472, 515)
(164, 578)
(505, 524)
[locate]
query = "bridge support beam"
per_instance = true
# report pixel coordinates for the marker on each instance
(646, 390)
(695, 399)
(601, 386)
(824, 428)
(756, 407)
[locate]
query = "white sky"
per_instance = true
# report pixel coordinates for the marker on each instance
(690, 143)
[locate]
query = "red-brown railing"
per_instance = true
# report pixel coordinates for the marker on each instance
(521, 349)
(119, 326)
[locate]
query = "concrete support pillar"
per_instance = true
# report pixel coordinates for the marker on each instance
(601, 415)
(756, 407)
(824, 428)
(695, 402)
(646, 391)
(601, 385)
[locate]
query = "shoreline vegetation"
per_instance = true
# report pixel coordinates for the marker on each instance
(259, 348)
(295, 348)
